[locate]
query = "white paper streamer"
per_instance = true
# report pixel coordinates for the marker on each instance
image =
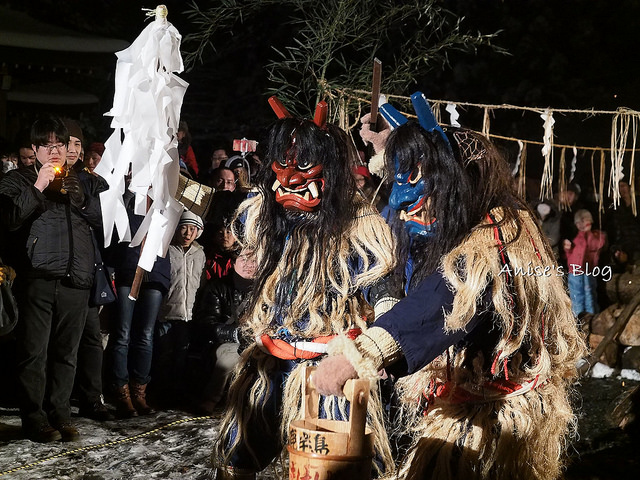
(146, 113)
(574, 162)
(546, 189)
(453, 114)
(514, 172)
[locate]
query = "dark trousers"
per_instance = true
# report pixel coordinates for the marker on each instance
(90, 354)
(52, 317)
(171, 346)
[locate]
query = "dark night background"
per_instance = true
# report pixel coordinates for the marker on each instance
(573, 54)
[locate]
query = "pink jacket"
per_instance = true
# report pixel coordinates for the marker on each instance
(585, 249)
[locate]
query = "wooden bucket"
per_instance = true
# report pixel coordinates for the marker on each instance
(321, 449)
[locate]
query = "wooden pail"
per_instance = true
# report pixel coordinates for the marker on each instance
(321, 449)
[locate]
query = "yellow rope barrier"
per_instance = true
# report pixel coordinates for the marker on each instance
(102, 445)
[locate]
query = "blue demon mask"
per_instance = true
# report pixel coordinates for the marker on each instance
(408, 195)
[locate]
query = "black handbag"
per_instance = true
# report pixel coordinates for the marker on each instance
(102, 291)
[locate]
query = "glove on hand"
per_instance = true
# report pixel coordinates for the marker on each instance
(377, 139)
(331, 374)
(71, 184)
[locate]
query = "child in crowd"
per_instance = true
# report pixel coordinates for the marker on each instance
(583, 254)
(187, 260)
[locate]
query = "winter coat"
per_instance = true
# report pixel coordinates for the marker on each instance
(585, 250)
(187, 272)
(56, 235)
(218, 305)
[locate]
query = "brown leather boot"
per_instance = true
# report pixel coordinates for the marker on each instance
(124, 407)
(139, 399)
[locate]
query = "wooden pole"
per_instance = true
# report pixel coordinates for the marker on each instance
(139, 275)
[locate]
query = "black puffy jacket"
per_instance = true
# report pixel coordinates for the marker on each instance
(217, 307)
(54, 235)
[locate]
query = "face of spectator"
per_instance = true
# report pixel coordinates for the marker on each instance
(8, 163)
(93, 160)
(73, 150)
(246, 265)
(569, 197)
(218, 157)
(54, 152)
(27, 156)
(180, 135)
(225, 239)
(359, 180)
(584, 223)
(226, 181)
(185, 235)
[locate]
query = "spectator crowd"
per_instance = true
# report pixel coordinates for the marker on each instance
(177, 344)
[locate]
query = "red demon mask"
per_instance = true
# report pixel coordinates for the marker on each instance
(299, 183)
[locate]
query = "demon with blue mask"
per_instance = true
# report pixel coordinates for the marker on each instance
(320, 247)
(486, 355)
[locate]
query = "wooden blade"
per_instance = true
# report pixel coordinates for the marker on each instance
(375, 92)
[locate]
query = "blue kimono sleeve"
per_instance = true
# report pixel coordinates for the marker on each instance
(417, 322)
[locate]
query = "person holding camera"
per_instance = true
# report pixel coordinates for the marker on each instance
(49, 215)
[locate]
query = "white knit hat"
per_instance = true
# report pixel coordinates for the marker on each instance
(190, 218)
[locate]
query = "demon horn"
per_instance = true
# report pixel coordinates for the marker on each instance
(320, 118)
(279, 109)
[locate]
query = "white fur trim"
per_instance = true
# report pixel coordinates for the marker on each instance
(376, 164)
(364, 367)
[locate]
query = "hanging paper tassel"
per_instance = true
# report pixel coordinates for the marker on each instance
(516, 167)
(146, 112)
(562, 181)
(574, 162)
(437, 113)
(546, 184)
(593, 178)
(453, 114)
(601, 186)
(632, 171)
(486, 121)
(618, 145)
(522, 180)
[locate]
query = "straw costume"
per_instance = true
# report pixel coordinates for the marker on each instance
(485, 341)
(319, 248)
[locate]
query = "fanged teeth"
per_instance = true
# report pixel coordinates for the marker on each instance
(313, 189)
(406, 216)
(276, 185)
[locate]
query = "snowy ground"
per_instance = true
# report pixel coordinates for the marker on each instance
(175, 445)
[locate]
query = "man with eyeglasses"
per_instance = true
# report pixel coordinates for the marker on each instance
(224, 179)
(49, 214)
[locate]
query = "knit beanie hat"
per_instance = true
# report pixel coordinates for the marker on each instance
(74, 128)
(96, 147)
(190, 218)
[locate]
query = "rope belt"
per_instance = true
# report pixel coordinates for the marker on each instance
(492, 391)
(305, 349)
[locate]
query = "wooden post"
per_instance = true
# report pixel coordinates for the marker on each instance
(139, 276)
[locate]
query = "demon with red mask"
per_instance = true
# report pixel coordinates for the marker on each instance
(320, 248)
